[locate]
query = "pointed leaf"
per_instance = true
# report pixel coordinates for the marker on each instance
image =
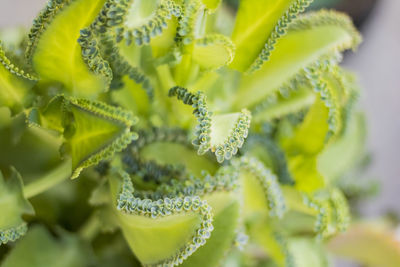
(95, 132)
(308, 39)
(260, 22)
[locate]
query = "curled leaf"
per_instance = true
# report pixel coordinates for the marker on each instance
(54, 36)
(213, 51)
(222, 134)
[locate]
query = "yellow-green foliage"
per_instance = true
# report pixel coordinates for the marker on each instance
(188, 140)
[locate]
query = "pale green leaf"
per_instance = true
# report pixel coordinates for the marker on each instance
(54, 37)
(257, 22)
(319, 34)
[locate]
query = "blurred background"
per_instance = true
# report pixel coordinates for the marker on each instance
(377, 64)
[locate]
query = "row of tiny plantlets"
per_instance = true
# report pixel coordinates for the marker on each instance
(280, 30)
(130, 204)
(204, 117)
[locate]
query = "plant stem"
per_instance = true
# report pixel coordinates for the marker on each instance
(54, 177)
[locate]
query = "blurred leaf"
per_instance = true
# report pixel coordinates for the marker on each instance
(367, 244)
(39, 248)
(12, 206)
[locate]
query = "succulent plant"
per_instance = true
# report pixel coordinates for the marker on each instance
(199, 136)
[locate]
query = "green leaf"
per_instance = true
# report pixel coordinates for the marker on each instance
(304, 146)
(131, 97)
(174, 224)
(165, 231)
(213, 51)
(309, 138)
(309, 39)
(226, 222)
(272, 242)
(345, 152)
(189, 26)
(211, 5)
(49, 117)
(261, 22)
(54, 37)
(12, 205)
(261, 189)
(274, 108)
(308, 253)
(39, 248)
(223, 134)
(162, 44)
(367, 244)
(95, 132)
(332, 212)
(177, 154)
(141, 20)
(15, 85)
